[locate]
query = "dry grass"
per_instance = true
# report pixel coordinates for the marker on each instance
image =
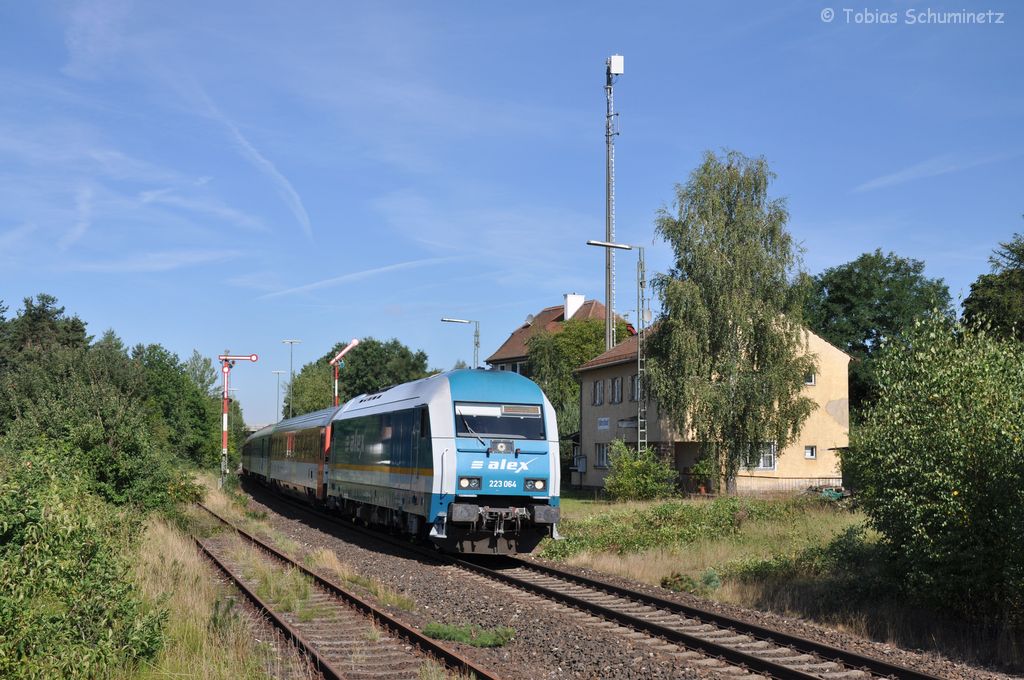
(432, 670)
(206, 636)
(757, 539)
(285, 588)
(327, 561)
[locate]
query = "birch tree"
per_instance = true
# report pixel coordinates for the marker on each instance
(728, 355)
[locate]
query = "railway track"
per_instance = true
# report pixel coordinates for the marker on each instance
(344, 635)
(732, 647)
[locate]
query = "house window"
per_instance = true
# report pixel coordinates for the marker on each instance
(598, 392)
(767, 460)
(810, 452)
(634, 387)
(811, 379)
(601, 455)
(616, 390)
(502, 367)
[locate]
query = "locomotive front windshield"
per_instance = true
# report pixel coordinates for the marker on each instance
(499, 421)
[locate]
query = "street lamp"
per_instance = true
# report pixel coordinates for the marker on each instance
(291, 371)
(277, 416)
(643, 315)
(476, 337)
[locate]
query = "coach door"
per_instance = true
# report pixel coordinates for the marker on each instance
(322, 463)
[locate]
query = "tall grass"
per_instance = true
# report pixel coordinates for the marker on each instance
(798, 557)
(327, 561)
(206, 636)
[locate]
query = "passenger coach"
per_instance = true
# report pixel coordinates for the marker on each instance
(468, 458)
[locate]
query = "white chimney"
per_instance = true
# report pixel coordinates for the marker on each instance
(573, 302)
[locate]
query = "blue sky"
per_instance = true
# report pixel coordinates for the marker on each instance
(226, 175)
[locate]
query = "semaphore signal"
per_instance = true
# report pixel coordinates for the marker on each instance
(227, 362)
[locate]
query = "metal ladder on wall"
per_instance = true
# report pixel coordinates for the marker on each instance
(641, 398)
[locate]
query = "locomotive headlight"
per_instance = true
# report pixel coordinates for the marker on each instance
(469, 483)
(535, 484)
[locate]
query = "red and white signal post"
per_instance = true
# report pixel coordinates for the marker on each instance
(227, 362)
(336, 361)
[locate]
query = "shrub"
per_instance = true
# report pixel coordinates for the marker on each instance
(940, 466)
(68, 606)
(638, 475)
(709, 582)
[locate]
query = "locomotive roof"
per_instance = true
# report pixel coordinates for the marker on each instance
(466, 384)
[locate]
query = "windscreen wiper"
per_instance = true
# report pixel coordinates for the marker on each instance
(471, 430)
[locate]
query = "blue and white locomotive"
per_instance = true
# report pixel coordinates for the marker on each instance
(468, 458)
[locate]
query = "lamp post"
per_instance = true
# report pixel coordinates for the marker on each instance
(291, 372)
(227, 362)
(277, 416)
(643, 315)
(476, 336)
(336, 362)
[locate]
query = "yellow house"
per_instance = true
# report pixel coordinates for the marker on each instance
(609, 410)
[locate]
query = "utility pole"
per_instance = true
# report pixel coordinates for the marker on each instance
(336, 362)
(476, 337)
(277, 415)
(291, 372)
(613, 68)
(643, 315)
(227, 362)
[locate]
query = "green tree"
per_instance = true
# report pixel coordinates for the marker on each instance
(372, 365)
(638, 475)
(201, 372)
(555, 356)
(727, 357)
(997, 298)
(859, 305)
(939, 464)
(178, 411)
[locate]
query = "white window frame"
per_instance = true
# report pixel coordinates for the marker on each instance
(617, 390)
(811, 379)
(601, 455)
(811, 452)
(770, 454)
(597, 398)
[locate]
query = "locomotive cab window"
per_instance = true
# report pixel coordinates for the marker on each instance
(505, 421)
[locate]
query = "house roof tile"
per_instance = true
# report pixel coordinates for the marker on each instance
(548, 319)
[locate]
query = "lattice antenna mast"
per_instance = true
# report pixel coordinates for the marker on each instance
(613, 68)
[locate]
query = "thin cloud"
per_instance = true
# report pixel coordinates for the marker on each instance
(94, 35)
(357, 276)
(83, 209)
(933, 167)
(12, 237)
(259, 161)
(155, 262)
(203, 206)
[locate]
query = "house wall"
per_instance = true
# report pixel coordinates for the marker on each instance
(827, 428)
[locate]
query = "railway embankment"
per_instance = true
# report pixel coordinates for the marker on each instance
(806, 564)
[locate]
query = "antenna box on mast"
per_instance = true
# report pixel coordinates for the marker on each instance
(615, 65)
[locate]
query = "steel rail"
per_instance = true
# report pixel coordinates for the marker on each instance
(451, 658)
(323, 665)
(853, 660)
(828, 652)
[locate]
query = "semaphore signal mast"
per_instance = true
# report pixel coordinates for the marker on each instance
(227, 362)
